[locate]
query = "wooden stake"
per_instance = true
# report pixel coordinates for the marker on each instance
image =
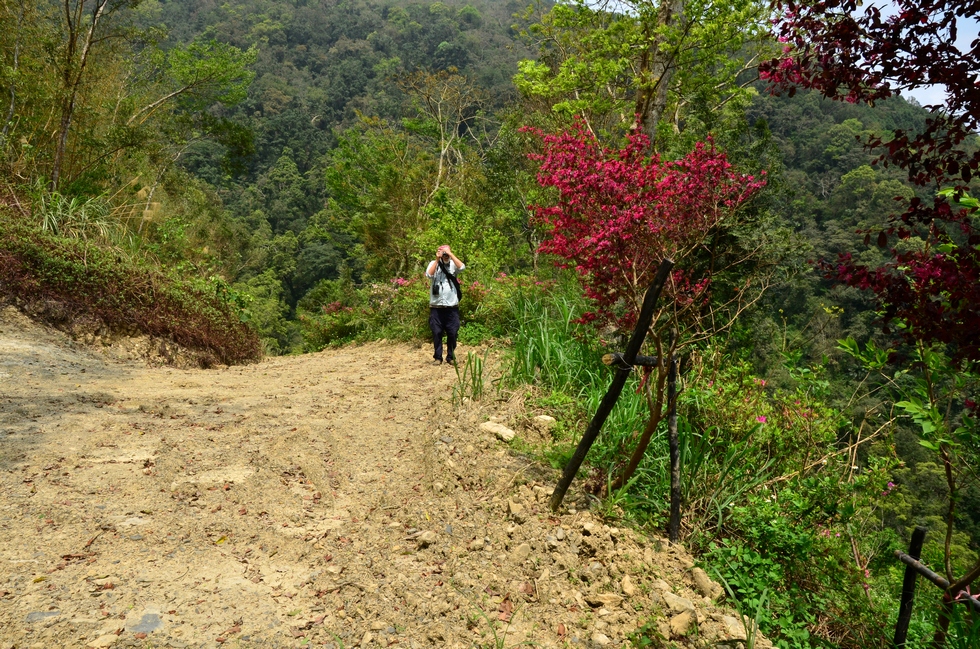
(674, 527)
(616, 387)
(640, 361)
(908, 590)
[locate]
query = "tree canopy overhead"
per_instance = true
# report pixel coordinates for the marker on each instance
(649, 65)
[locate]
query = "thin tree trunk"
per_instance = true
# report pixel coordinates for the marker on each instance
(13, 82)
(945, 610)
(73, 80)
(657, 67)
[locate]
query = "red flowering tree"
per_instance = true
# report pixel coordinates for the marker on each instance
(619, 213)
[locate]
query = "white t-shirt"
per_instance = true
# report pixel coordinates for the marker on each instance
(446, 295)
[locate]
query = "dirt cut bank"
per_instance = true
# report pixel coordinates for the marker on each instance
(333, 499)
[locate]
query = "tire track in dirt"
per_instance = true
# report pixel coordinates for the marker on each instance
(329, 499)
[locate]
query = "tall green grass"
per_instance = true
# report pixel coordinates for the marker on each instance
(552, 351)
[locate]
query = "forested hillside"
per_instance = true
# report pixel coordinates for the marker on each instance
(283, 171)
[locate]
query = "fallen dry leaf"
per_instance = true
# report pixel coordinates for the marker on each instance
(506, 609)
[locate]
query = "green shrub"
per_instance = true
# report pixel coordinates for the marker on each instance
(269, 313)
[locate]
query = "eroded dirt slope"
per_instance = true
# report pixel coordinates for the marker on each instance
(331, 499)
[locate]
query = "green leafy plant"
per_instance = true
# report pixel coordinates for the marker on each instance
(716, 474)
(749, 611)
(936, 392)
(648, 636)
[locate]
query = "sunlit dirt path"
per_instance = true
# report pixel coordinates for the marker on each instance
(331, 499)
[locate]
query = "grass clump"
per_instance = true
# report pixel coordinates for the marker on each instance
(66, 281)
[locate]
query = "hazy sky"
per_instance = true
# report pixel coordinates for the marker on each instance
(967, 32)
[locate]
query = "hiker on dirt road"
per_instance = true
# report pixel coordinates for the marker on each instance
(444, 297)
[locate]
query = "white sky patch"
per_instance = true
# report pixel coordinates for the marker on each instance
(968, 30)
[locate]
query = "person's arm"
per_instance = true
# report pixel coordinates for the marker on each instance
(430, 272)
(459, 265)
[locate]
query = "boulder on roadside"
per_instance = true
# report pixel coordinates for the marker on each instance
(502, 432)
(678, 604)
(704, 583)
(629, 588)
(516, 512)
(680, 624)
(521, 553)
(543, 423)
(609, 600)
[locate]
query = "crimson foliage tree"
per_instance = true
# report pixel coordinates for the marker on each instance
(619, 213)
(868, 54)
(931, 286)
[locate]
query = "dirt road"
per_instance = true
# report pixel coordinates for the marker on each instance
(331, 499)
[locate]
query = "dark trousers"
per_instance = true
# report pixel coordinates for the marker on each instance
(444, 321)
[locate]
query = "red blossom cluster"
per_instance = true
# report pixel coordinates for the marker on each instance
(857, 53)
(619, 213)
(935, 294)
(866, 54)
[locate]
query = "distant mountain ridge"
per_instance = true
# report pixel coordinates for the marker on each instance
(322, 62)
